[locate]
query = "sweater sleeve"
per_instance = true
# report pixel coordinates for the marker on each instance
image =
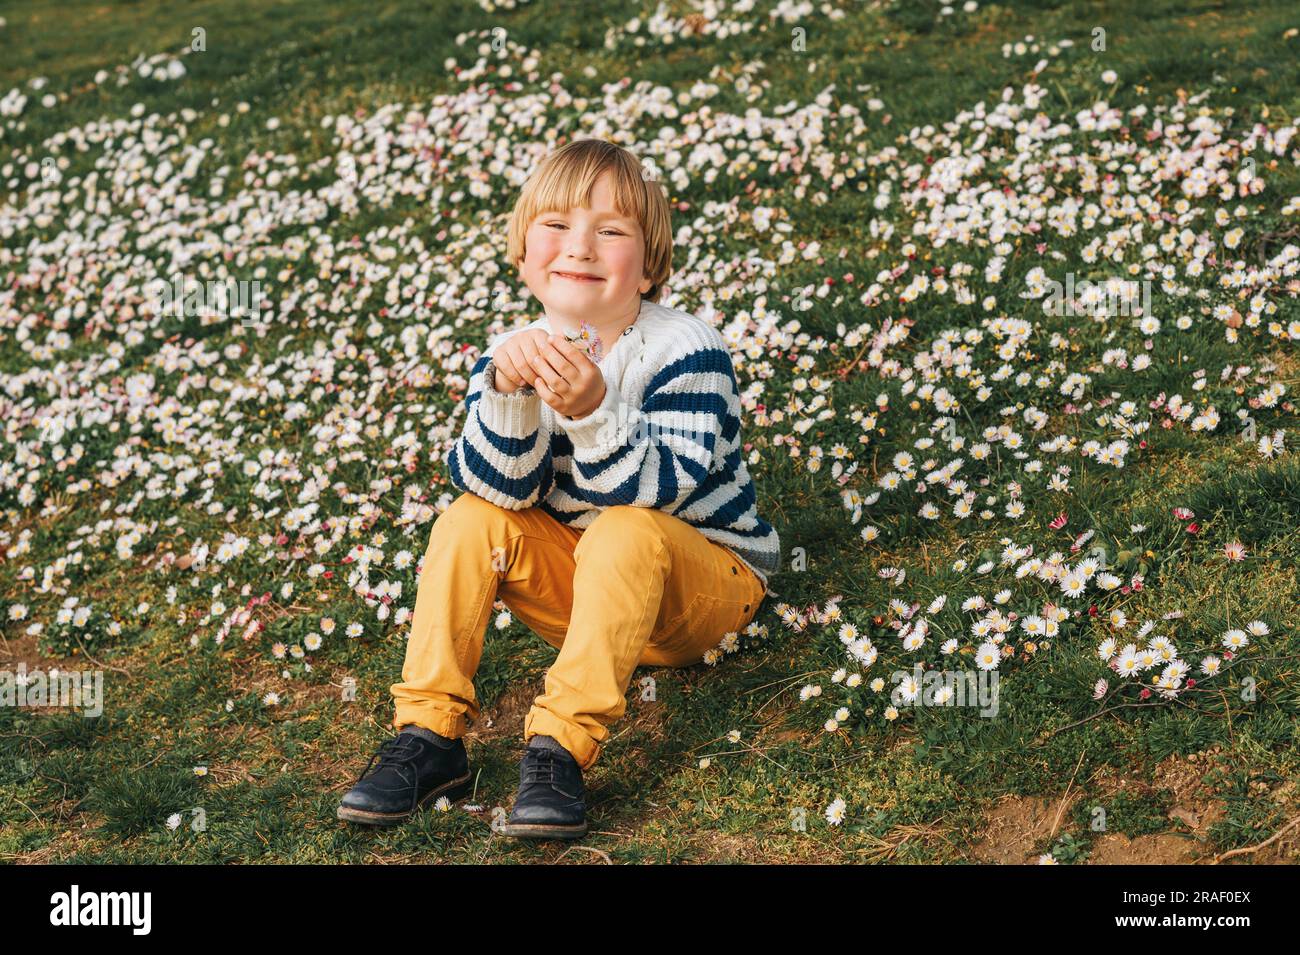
(660, 454)
(503, 455)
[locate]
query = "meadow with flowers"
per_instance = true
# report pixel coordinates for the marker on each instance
(1095, 498)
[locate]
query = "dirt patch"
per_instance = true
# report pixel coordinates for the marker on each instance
(506, 716)
(1114, 848)
(1195, 808)
(26, 649)
(1019, 826)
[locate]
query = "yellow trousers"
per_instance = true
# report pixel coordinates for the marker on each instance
(637, 587)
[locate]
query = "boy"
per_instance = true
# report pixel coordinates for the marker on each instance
(607, 504)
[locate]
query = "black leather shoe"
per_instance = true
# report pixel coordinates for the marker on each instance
(550, 803)
(412, 772)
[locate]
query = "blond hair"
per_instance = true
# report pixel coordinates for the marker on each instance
(566, 178)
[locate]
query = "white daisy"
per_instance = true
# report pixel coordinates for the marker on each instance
(988, 656)
(835, 812)
(909, 689)
(1235, 639)
(1073, 584)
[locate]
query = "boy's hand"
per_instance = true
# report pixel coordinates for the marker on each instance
(566, 379)
(513, 360)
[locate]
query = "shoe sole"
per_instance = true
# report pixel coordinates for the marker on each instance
(453, 790)
(523, 830)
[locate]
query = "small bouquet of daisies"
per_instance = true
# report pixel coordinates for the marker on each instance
(588, 341)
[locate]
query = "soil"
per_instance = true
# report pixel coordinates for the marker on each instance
(1018, 825)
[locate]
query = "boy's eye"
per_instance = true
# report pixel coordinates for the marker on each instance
(563, 226)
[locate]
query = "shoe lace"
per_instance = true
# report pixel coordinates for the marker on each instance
(399, 754)
(540, 767)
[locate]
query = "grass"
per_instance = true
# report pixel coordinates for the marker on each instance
(926, 788)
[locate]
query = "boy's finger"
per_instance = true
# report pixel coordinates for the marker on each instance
(542, 366)
(548, 374)
(559, 362)
(545, 393)
(569, 350)
(507, 368)
(529, 348)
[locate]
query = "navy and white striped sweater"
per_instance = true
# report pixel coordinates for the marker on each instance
(666, 435)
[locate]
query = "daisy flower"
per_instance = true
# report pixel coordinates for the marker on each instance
(1210, 665)
(988, 656)
(1258, 627)
(1072, 585)
(1127, 665)
(909, 689)
(877, 684)
(864, 652)
(1176, 670)
(1235, 639)
(1234, 551)
(835, 811)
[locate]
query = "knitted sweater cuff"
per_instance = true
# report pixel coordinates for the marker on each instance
(515, 415)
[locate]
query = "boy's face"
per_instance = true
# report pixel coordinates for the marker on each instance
(597, 242)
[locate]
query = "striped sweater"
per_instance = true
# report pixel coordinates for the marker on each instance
(666, 435)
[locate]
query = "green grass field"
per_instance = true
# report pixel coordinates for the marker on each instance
(873, 200)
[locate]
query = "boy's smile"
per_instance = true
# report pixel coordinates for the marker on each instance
(581, 277)
(587, 265)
